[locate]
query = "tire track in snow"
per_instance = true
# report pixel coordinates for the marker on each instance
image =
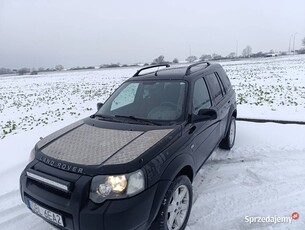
(9, 195)
(9, 200)
(251, 180)
(11, 210)
(13, 221)
(26, 221)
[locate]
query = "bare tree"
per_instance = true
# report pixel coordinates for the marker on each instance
(159, 60)
(247, 51)
(205, 57)
(23, 71)
(175, 60)
(59, 67)
(231, 55)
(5, 71)
(303, 41)
(216, 56)
(191, 59)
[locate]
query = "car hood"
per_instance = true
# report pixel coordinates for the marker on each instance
(85, 144)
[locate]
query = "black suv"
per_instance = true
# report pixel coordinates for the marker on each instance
(131, 164)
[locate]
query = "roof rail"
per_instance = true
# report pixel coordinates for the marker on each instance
(188, 70)
(148, 67)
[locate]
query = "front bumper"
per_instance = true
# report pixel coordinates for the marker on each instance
(80, 213)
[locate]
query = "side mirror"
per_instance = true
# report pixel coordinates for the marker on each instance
(99, 105)
(205, 115)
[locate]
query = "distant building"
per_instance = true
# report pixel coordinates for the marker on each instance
(271, 55)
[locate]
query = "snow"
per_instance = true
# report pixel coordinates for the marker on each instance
(262, 175)
(265, 88)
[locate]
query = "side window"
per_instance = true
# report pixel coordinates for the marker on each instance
(216, 92)
(224, 79)
(201, 97)
(224, 91)
(125, 97)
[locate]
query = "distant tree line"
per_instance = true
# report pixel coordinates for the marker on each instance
(246, 53)
(31, 71)
(6, 71)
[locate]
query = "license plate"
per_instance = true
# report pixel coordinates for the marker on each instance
(47, 214)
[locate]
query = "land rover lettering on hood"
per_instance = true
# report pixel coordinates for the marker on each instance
(131, 164)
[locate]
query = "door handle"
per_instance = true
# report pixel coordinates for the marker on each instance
(192, 129)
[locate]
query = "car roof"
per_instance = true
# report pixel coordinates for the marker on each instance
(176, 73)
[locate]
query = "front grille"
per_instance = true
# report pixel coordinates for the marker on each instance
(49, 180)
(45, 191)
(50, 184)
(51, 189)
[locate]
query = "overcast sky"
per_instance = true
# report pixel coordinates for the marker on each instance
(43, 33)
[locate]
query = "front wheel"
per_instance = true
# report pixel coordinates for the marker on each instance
(229, 140)
(176, 206)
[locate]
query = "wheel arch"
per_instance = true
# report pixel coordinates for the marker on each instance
(232, 112)
(186, 171)
(181, 165)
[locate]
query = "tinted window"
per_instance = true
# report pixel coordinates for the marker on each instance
(201, 97)
(224, 79)
(214, 85)
(221, 84)
(153, 100)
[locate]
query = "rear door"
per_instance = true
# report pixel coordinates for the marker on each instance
(219, 101)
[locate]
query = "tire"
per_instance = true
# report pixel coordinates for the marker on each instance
(175, 210)
(229, 140)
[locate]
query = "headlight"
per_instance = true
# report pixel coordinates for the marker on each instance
(116, 186)
(118, 183)
(32, 155)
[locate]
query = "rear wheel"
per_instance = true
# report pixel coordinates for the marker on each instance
(229, 140)
(176, 206)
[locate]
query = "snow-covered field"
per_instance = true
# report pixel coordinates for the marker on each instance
(268, 87)
(262, 175)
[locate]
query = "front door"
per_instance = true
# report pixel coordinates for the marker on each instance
(204, 134)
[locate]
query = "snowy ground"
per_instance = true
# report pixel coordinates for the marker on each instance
(262, 175)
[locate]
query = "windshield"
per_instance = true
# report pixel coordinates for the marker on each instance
(149, 100)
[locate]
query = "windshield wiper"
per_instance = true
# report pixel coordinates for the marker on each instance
(138, 119)
(102, 117)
